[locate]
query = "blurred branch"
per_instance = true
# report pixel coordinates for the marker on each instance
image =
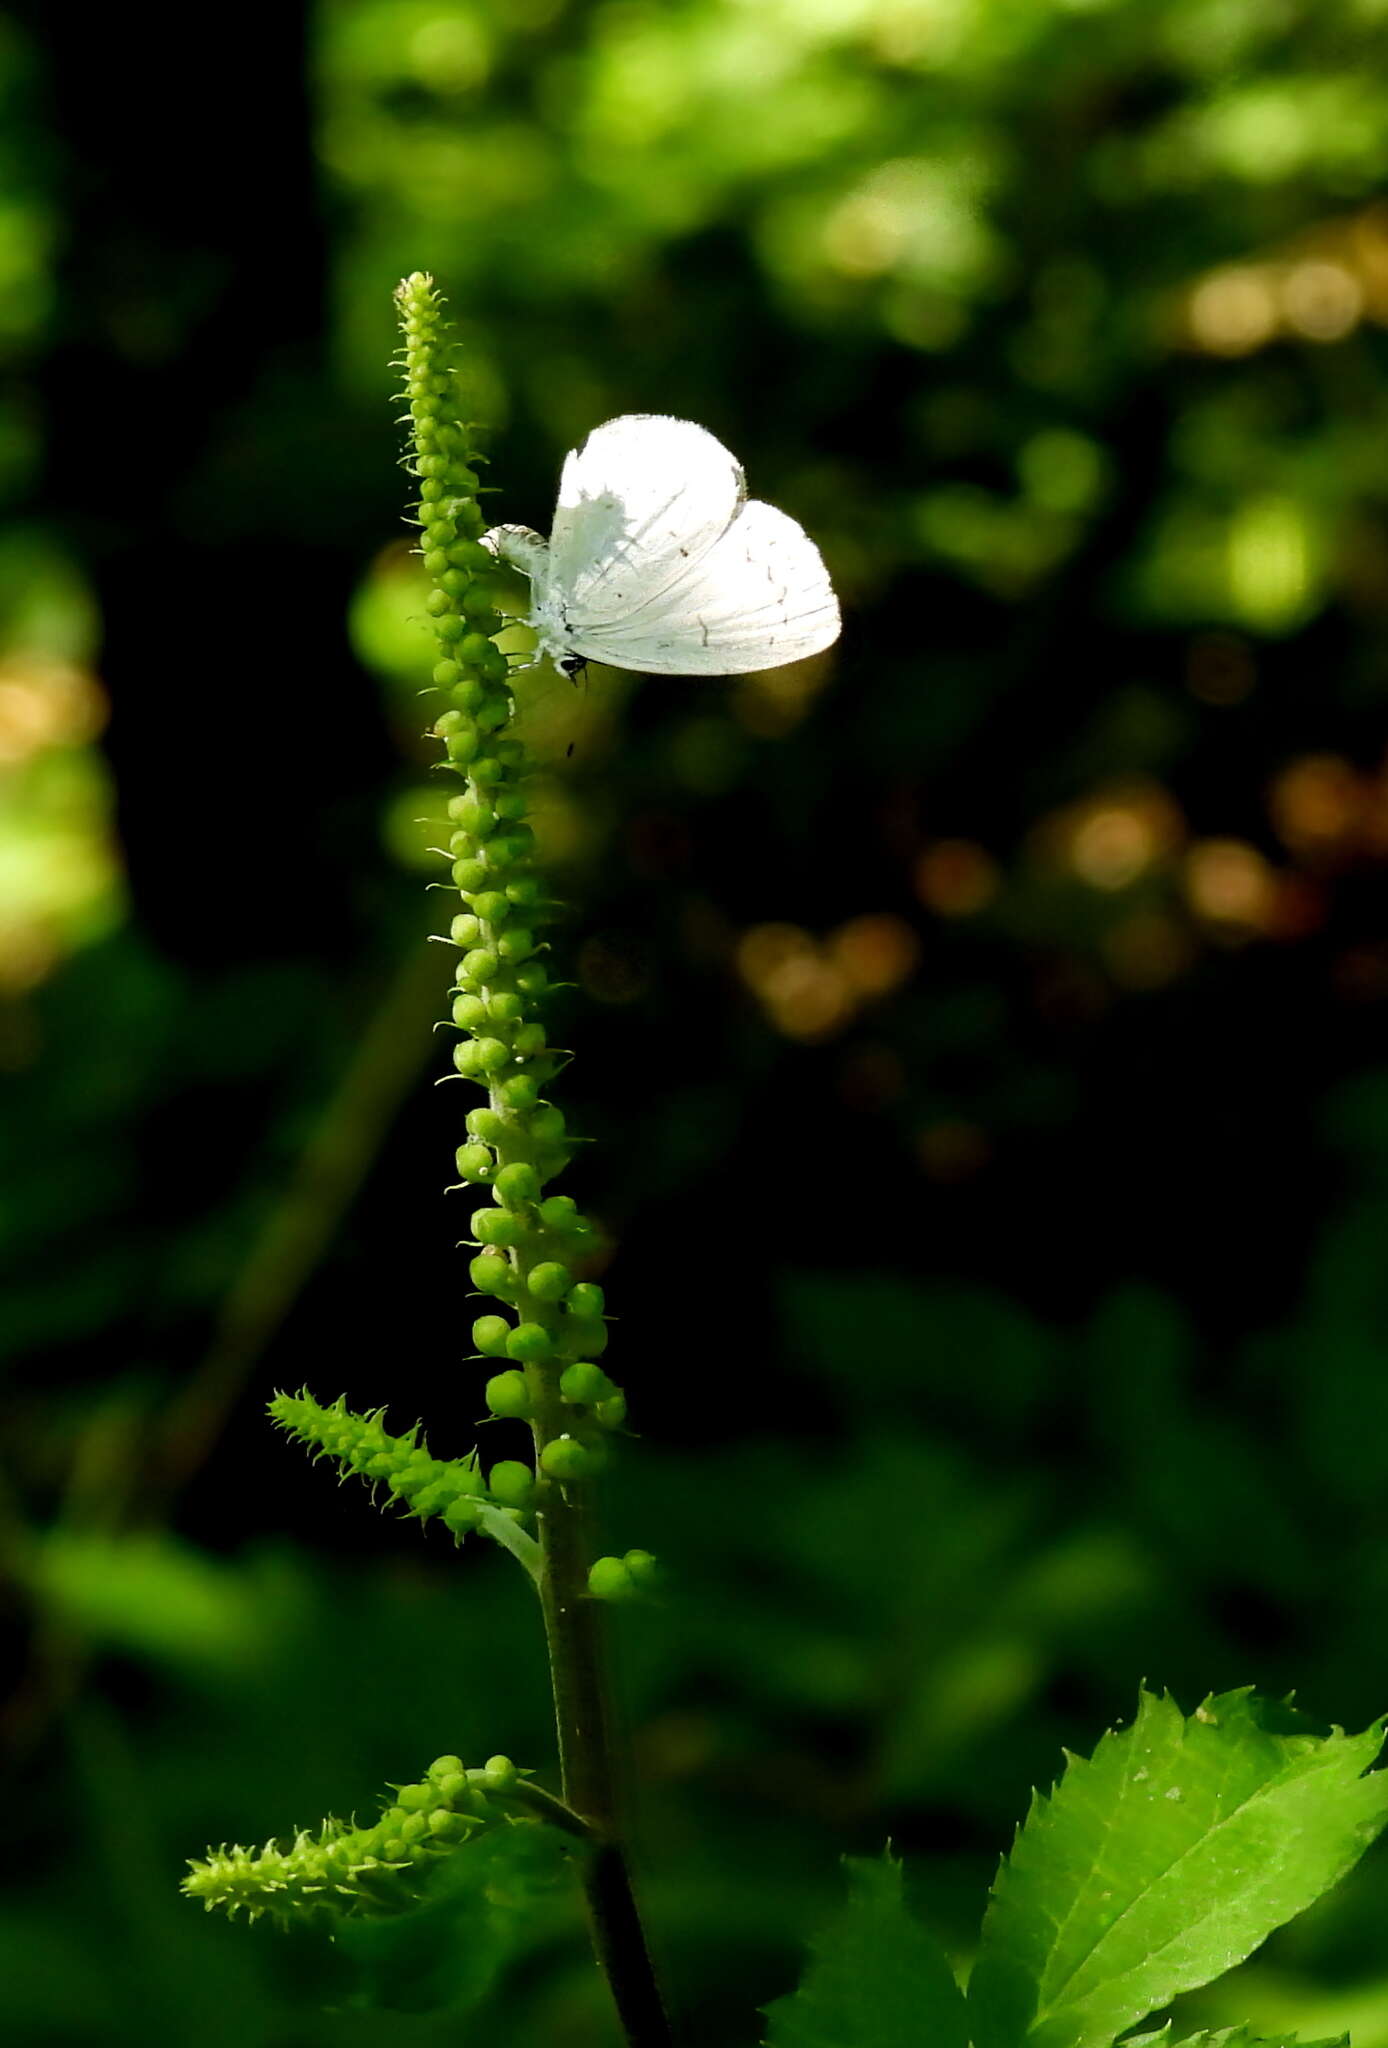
(109, 1485)
(341, 1147)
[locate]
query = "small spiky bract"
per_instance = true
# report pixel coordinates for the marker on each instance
(449, 1489)
(349, 1870)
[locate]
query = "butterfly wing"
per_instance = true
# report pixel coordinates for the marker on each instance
(758, 597)
(521, 546)
(642, 499)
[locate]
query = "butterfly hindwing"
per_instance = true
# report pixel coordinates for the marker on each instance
(758, 597)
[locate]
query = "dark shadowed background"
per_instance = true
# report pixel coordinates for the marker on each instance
(983, 1028)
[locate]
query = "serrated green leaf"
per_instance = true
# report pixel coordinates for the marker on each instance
(876, 1978)
(1164, 1860)
(1245, 2037)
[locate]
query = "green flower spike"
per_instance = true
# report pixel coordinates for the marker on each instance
(345, 1870)
(526, 1241)
(452, 1491)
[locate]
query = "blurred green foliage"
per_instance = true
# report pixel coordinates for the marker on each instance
(999, 1206)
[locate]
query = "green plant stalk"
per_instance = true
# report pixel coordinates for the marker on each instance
(574, 1632)
(527, 1242)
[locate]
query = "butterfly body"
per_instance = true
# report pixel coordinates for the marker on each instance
(658, 560)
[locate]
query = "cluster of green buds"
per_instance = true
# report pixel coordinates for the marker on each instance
(526, 1242)
(633, 1577)
(377, 1870)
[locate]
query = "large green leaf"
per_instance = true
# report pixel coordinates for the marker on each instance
(1164, 1860)
(876, 1978)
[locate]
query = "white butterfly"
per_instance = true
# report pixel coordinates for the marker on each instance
(658, 560)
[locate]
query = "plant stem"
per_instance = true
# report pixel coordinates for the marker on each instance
(518, 1141)
(573, 1628)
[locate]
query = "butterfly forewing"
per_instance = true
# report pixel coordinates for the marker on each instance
(641, 499)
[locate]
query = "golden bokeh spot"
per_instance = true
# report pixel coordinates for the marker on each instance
(1317, 806)
(1113, 847)
(765, 949)
(865, 235)
(801, 990)
(60, 877)
(29, 952)
(1231, 886)
(1374, 820)
(45, 702)
(920, 217)
(874, 953)
(956, 877)
(1317, 286)
(1322, 301)
(1115, 837)
(806, 998)
(1366, 252)
(1233, 311)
